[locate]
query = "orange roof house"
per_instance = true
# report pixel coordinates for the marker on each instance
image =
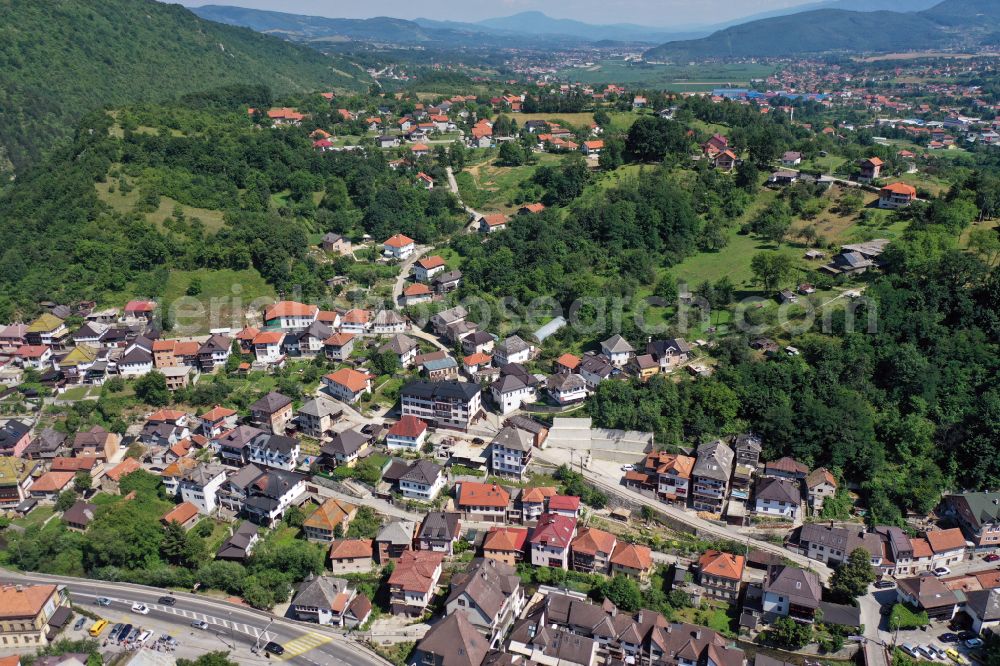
(632, 560)
(289, 309)
(417, 289)
(182, 514)
(399, 241)
(568, 361)
(351, 549)
(945, 540)
(217, 413)
(921, 548)
(52, 482)
(476, 494)
(429, 263)
(721, 565)
(592, 541)
(123, 468)
(338, 339)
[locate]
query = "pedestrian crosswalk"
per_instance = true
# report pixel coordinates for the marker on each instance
(303, 644)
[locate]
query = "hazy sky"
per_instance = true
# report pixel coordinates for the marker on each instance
(660, 13)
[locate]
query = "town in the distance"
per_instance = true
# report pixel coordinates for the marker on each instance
(430, 343)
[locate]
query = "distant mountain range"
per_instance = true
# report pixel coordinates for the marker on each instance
(950, 24)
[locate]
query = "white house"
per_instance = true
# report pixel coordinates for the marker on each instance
(290, 316)
(617, 350)
(407, 434)
(427, 268)
(422, 481)
(567, 388)
(275, 451)
(551, 539)
(267, 347)
(200, 486)
(512, 350)
(399, 247)
(510, 452)
(510, 392)
(778, 497)
(347, 385)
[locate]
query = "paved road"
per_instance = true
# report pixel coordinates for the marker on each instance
(303, 643)
(404, 272)
(453, 186)
(611, 486)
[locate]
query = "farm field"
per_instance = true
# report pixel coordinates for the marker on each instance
(233, 290)
(125, 203)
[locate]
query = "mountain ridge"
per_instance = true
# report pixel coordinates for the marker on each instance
(948, 24)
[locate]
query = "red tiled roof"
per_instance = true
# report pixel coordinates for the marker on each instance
(140, 306)
(554, 530)
(564, 503)
(181, 513)
(944, 540)
(268, 338)
(431, 262)
(417, 289)
(338, 339)
(569, 361)
(353, 380)
(901, 188)
(415, 570)
(349, 549)
(538, 494)
(474, 493)
(592, 541)
(476, 359)
(723, 565)
(399, 240)
(495, 219)
(921, 547)
(632, 556)
(408, 426)
(506, 539)
(126, 466)
(52, 481)
(217, 413)
(289, 309)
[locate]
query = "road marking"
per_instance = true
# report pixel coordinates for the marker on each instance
(303, 644)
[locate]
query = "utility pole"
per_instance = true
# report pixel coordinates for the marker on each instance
(256, 645)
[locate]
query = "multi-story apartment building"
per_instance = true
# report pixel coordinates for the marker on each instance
(447, 404)
(710, 476)
(510, 452)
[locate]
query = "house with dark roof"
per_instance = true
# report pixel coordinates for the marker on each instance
(239, 545)
(15, 436)
(439, 531)
(79, 516)
(791, 592)
(983, 606)
(272, 412)
(447, 404)
(233, 446)
(423, 480)
(271, 494)
(780, 498)
(710, 476)
(786, 468)
(820, 485)
(323, 600)
(978, 514)
(394, 539)
(46, 445)
(928, 593)
(833, 545)
(278, 451)
(316, 417)
(489, 594)
(344, 448)
(452, 642)
(511, 451)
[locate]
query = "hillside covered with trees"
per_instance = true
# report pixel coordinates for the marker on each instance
(60, 60)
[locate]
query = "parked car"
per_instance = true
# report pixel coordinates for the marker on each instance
(884, 584)
(911, 650)
(954, 656)
(132, 635)
(992, 557)
(948, 637)
(274, 648)
(974, 643)
(966, 635)
(79, 624)
(167, 601)
(199, 624)
(938, 651)
(942, 571)
(122, 633)
(102, 601)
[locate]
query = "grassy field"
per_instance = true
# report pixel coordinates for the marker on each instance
(564, 119)
(492, 188)
(125, 203)
(226, 292)
(684, 78)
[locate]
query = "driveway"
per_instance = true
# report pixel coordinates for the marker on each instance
(404, 272)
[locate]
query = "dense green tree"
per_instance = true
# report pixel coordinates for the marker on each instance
(770, 269)
(851, 579)
(151, 388)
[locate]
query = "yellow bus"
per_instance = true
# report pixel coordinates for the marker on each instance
(98, 627)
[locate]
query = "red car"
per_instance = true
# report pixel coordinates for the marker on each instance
(992, 557)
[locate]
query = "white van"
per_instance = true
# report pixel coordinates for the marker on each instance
(143, 637)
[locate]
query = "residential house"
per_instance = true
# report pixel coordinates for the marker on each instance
(454, 641)
(592, 147)
(534, 502)
(15, 480)
(834, 545)
(492, 223)
(316, 418)
(510, 452)
(15, 436)
(747, 448)
(513, 350)
(184, 514)
(398, 247)
(79, 516)
(591, 550)
(351, 555)
(323, 600)
(710, 475)
(440, 321)
(47, 487)
(47, 445)
(26, 612)
(413, 581)
(214, 352)
(447, 282)
(478, 342)
(339, 346)
(566, 388)
(422, 481)
(239, 545)
(172, 474)
(272, 412)
(309, 342)
(388, 322)
(136, 361)
(407, 434)
(267, 347)
(978, 514)
(200, 486)
(356, 322)
(791, 158)
(403, 347)
(786, 468)
(564, 505)
(721, 574)
(47, 330)
(617, 350)
(632, 560)
(483, 502)
(344, 448)
(217, 420)
(447, 404)
(233, 445)
(96, 442)
(725, 161)
(673, 475)
(439, 367)
(791, 592)
(871, 169)
(820, 484)
(929, 594)
(595, 369)
(489, 594)
(279, 451)
(417, 293)
(983, 607)
(290, 316)
(321, 525)
(439, 531)
(270, 494)
(427, 268)
(111, 480)
(550, 541)
(778, 497)
(513, 390)
(394, 539)
(336, 243)
(948, 546)
(505, 544)
(897, 195)
(348, 385)
(35, 357)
